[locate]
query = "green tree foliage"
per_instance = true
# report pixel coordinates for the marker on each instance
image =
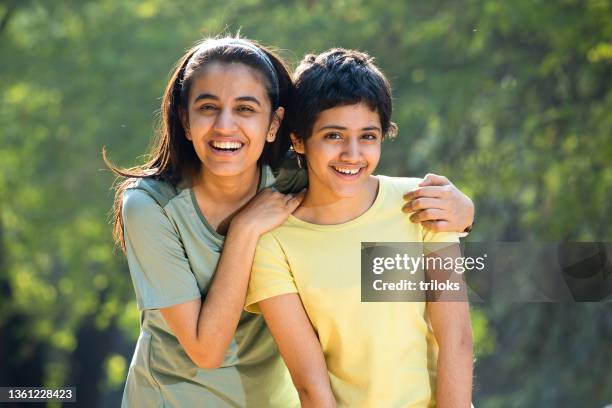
(511, 100)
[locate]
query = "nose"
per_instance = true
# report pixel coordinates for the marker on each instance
(224, 122)
(350, 150)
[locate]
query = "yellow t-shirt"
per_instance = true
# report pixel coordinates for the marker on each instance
(377, 354)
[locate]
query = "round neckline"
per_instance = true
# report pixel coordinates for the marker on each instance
(373, 208)
(262, 183)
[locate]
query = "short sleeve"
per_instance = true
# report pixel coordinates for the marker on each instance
(433, 241)
(156, 258)
(271, 274)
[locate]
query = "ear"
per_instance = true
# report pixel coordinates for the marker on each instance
(298, 144)
(184, 118)
(277, 119)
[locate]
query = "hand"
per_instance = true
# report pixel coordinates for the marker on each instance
(267, 210)
(439, 205)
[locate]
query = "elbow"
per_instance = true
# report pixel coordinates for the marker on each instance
(206, 353)
(206, 361)
(467, 345)
(467, 340)
(315, 395)
(462, 343)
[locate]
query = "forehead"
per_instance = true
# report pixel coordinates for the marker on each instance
(354, 116)
(229, 81)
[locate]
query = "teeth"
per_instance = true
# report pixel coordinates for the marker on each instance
(346, 171)
(226, 145)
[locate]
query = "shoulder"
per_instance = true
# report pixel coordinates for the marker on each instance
(398, 186)
(270, 241)
(145, 198)
(159, 190)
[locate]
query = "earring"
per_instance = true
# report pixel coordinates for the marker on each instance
(271, 136)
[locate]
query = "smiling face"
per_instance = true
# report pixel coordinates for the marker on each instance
(343, 150)
(228, 118)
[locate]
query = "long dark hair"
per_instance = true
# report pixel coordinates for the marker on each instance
(172, 155)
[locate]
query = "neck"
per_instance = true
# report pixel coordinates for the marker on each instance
(322, 206)
(220, 198)
(226, 189)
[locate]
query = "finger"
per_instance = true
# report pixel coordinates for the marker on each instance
(437, 226)
(434, 180)
(262, 192)
(428, 215)
(267, 192)
(301, 195)
(295, 202)
(425, 203)
(429, 191)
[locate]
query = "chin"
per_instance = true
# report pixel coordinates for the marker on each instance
(227, 169)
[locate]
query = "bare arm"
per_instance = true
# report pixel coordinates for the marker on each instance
(300, 348)
(450, 321)
(206, 328)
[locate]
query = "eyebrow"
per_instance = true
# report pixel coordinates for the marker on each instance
(240, 98)
(248, 99)
(338, 127)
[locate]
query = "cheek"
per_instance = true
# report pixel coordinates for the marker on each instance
(257, 130)
(372, 155)
(322, 158)
(199, 124)
(320, 152)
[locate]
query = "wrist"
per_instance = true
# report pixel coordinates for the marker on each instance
(243, 228)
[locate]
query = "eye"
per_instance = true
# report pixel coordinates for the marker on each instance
(333, 136)
(245, 109)
(369, 136)
(207, 107)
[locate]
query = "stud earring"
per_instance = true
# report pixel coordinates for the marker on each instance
(271, 136)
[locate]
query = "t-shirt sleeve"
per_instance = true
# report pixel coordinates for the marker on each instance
(156, 258)
(433, 241)
(270, 276)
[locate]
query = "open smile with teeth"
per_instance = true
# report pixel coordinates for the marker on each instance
(226, 146)
(347, 171)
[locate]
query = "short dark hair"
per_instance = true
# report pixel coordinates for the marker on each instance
(339, 77)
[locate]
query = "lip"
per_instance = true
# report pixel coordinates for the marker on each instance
(348, 177)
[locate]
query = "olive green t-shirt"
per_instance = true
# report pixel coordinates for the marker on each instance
(172, 254)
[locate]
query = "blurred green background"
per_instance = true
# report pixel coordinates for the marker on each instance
(510, 99)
